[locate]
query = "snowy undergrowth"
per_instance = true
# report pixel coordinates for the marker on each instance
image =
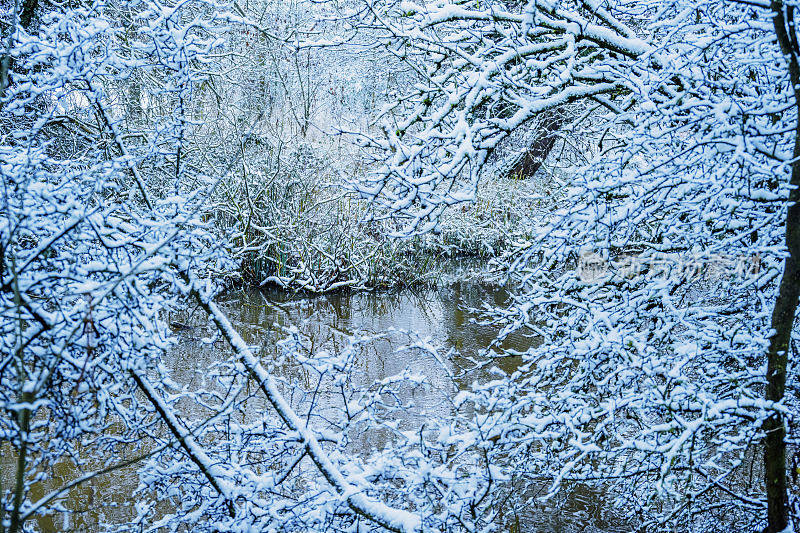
(295, 225)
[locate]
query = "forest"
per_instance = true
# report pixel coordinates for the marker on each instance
(399, 265)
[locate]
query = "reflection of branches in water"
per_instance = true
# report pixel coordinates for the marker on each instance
(451, 314)
(384, 403)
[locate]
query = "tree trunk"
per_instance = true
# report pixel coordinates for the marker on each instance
(6, 62)
(24, 420)
(774, 444)
(528, 162)
(786, 303)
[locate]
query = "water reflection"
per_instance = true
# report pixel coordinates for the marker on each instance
(444, 316)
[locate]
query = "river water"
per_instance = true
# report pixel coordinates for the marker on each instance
(444, 316)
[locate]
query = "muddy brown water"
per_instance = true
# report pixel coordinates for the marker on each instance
(444, 315)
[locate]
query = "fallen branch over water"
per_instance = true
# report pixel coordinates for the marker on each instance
(392, 519)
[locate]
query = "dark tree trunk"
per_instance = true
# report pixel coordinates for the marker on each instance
(6, 62)
(783, 314)
(528, 162)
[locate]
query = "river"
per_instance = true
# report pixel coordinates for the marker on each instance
(443, 316)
